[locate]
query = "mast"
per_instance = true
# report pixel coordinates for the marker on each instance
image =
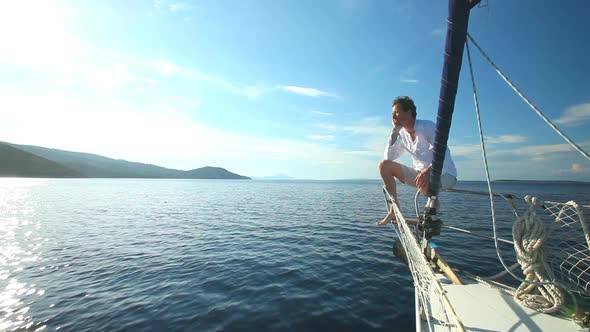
(455, 41)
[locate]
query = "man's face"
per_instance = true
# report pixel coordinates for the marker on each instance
(400, 117)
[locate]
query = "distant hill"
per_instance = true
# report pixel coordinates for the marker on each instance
(18, 163)
(94, 166)
(541, 181)
(209, 172)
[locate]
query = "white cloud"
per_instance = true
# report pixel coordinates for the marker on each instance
(51, 55)
(35, 32)
(368, 126)
(175, 7)
(529, 152)
(353, 6)
(575, 115)
(368, 153)
(251, 91)
(438, 32)
(379, 68)
(505, 139)
(321, 113)
(466, 150)
(579, 169)
(538, 150)
(152, 133)
(305, 91)
(48, 50)
(331, 162)
(322, 137)
(368, 134)
(157, 4)
(408, 75)
(167, 68)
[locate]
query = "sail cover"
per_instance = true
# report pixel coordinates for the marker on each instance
(455, 42)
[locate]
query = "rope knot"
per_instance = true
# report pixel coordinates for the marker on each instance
(529, 236)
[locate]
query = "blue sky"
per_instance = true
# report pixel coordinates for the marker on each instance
(297, 87)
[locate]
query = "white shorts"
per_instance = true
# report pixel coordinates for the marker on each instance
(446, 181)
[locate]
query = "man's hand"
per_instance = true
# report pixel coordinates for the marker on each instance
(423, 178)
(394, 134)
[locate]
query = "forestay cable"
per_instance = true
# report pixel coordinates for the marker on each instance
(530, 103)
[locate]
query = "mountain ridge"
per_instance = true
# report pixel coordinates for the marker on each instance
(89, 165)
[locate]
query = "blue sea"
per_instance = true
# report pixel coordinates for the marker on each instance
(217, 255)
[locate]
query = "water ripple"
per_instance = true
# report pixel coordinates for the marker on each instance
(128, 255)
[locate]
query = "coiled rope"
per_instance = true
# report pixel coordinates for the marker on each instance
(528, 284)
(529, 235)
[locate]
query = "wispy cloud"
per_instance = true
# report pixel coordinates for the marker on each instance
(184, 143)
(538, 150)
(378, 68)
(250, 91)
(367, 126)
(321, 113)
(579, 169)
(321, 137)
(353, 6)
(466, 150)
(506, 139)
(575, 115)
(408, 75)
(68, 61)
(168, 68)
(157, 4)
(532, 152)
(305, 91)
(179, 6)
(438, 32)
(368, 137)
(527, 162)
(366, 153)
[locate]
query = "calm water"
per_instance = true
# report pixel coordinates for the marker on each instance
(199, 255)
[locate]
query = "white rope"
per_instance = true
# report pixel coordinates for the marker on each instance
(529, 235)
(489, 182)
(485, 163)
(432, 297)
(530, 103)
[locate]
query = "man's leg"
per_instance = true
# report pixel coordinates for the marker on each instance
(388, 170)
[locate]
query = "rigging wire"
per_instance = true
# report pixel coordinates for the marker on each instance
(530, 103)
(489, 182)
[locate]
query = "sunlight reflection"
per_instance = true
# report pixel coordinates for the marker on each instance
(19, 249)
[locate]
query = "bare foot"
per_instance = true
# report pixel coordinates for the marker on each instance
(389, 217)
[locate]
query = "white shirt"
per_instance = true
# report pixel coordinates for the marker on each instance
(421, 149)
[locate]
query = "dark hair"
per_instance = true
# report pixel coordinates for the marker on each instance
(406, 103)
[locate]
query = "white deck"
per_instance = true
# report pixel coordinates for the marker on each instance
(484, 308)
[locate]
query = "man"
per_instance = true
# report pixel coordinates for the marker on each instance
(417, 138)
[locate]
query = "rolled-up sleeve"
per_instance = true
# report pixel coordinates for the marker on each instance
(395, 150)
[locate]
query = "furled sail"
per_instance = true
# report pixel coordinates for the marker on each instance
(455, 42)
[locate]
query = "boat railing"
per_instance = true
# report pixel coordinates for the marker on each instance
(551, 242)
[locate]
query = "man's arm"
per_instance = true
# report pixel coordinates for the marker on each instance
(394, 148)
